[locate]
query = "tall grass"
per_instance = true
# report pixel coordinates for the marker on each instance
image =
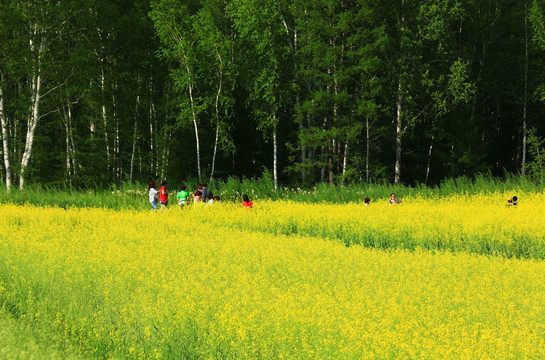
(134, 195)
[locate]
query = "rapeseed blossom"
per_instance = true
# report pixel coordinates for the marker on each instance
(280, 282)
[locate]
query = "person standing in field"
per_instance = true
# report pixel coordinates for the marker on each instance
(152, 195)
(182, 196)
(163, 196)
(206, 194)
(246, 202)
(197, 197)
(392, 199)
(212, 201)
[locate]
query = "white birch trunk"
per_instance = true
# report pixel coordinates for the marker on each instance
(152, 163)
(524, 110)
(70, 146)
(5, 143)
(275, 155)
(399, 133)
(134, 137)
(218, 93)
(36, 93)
(196, 126)
(399, 106)
(429, 161)
(367, 147)
(118, 168)
(105, 118)
(31, 130)
(345, 158)
(166, 153)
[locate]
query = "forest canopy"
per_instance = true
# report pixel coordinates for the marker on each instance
(95, 93)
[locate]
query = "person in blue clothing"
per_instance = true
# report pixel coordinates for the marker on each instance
(394, 200)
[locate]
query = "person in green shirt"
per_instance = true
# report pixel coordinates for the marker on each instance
(182, 196)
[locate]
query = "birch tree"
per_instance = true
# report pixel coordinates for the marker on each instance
(5, 136)
(173, 23)
(217, 44)
(260, 27)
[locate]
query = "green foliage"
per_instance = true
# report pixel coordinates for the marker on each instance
(135, 195)
(324, 78)
(536, 149)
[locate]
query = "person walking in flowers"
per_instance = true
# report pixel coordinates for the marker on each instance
(163, 196)
(152, 195)
(182, 197)
(246, 202)
(197, 197)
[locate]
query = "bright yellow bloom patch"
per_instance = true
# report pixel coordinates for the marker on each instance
(221, 282)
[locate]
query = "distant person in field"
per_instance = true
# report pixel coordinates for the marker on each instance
(206, 194)
(152, 195)
(367, 201)
(246, 202)
(197, 197)
(163, 196)
(212, 201)
(513, 201)
(394, 200)
(182, 196)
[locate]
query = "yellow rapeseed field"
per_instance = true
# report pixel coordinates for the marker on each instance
(279, 281)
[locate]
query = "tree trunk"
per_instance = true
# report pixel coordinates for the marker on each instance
(152, 136)
(105, 119)
(5, 143)
(399, 132)
(330, 160)
(166, 154)
(429, 161)
(367, 147)
(117, 159)
(345, 158)
(36, 85)
(524, 110)
(399, 103)
(134, 136)
(294, 50)
(275, 155)
(70, 146)
(196, 126)
(218, 93)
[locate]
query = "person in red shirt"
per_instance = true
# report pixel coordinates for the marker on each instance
(246, 202)
(163, 196)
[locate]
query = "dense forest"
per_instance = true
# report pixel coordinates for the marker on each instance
(94, 93)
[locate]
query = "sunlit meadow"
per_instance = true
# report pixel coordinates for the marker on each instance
(446, 277)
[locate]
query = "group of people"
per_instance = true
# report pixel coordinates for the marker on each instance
(512, 201)
(204, 196)
(200, 196)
